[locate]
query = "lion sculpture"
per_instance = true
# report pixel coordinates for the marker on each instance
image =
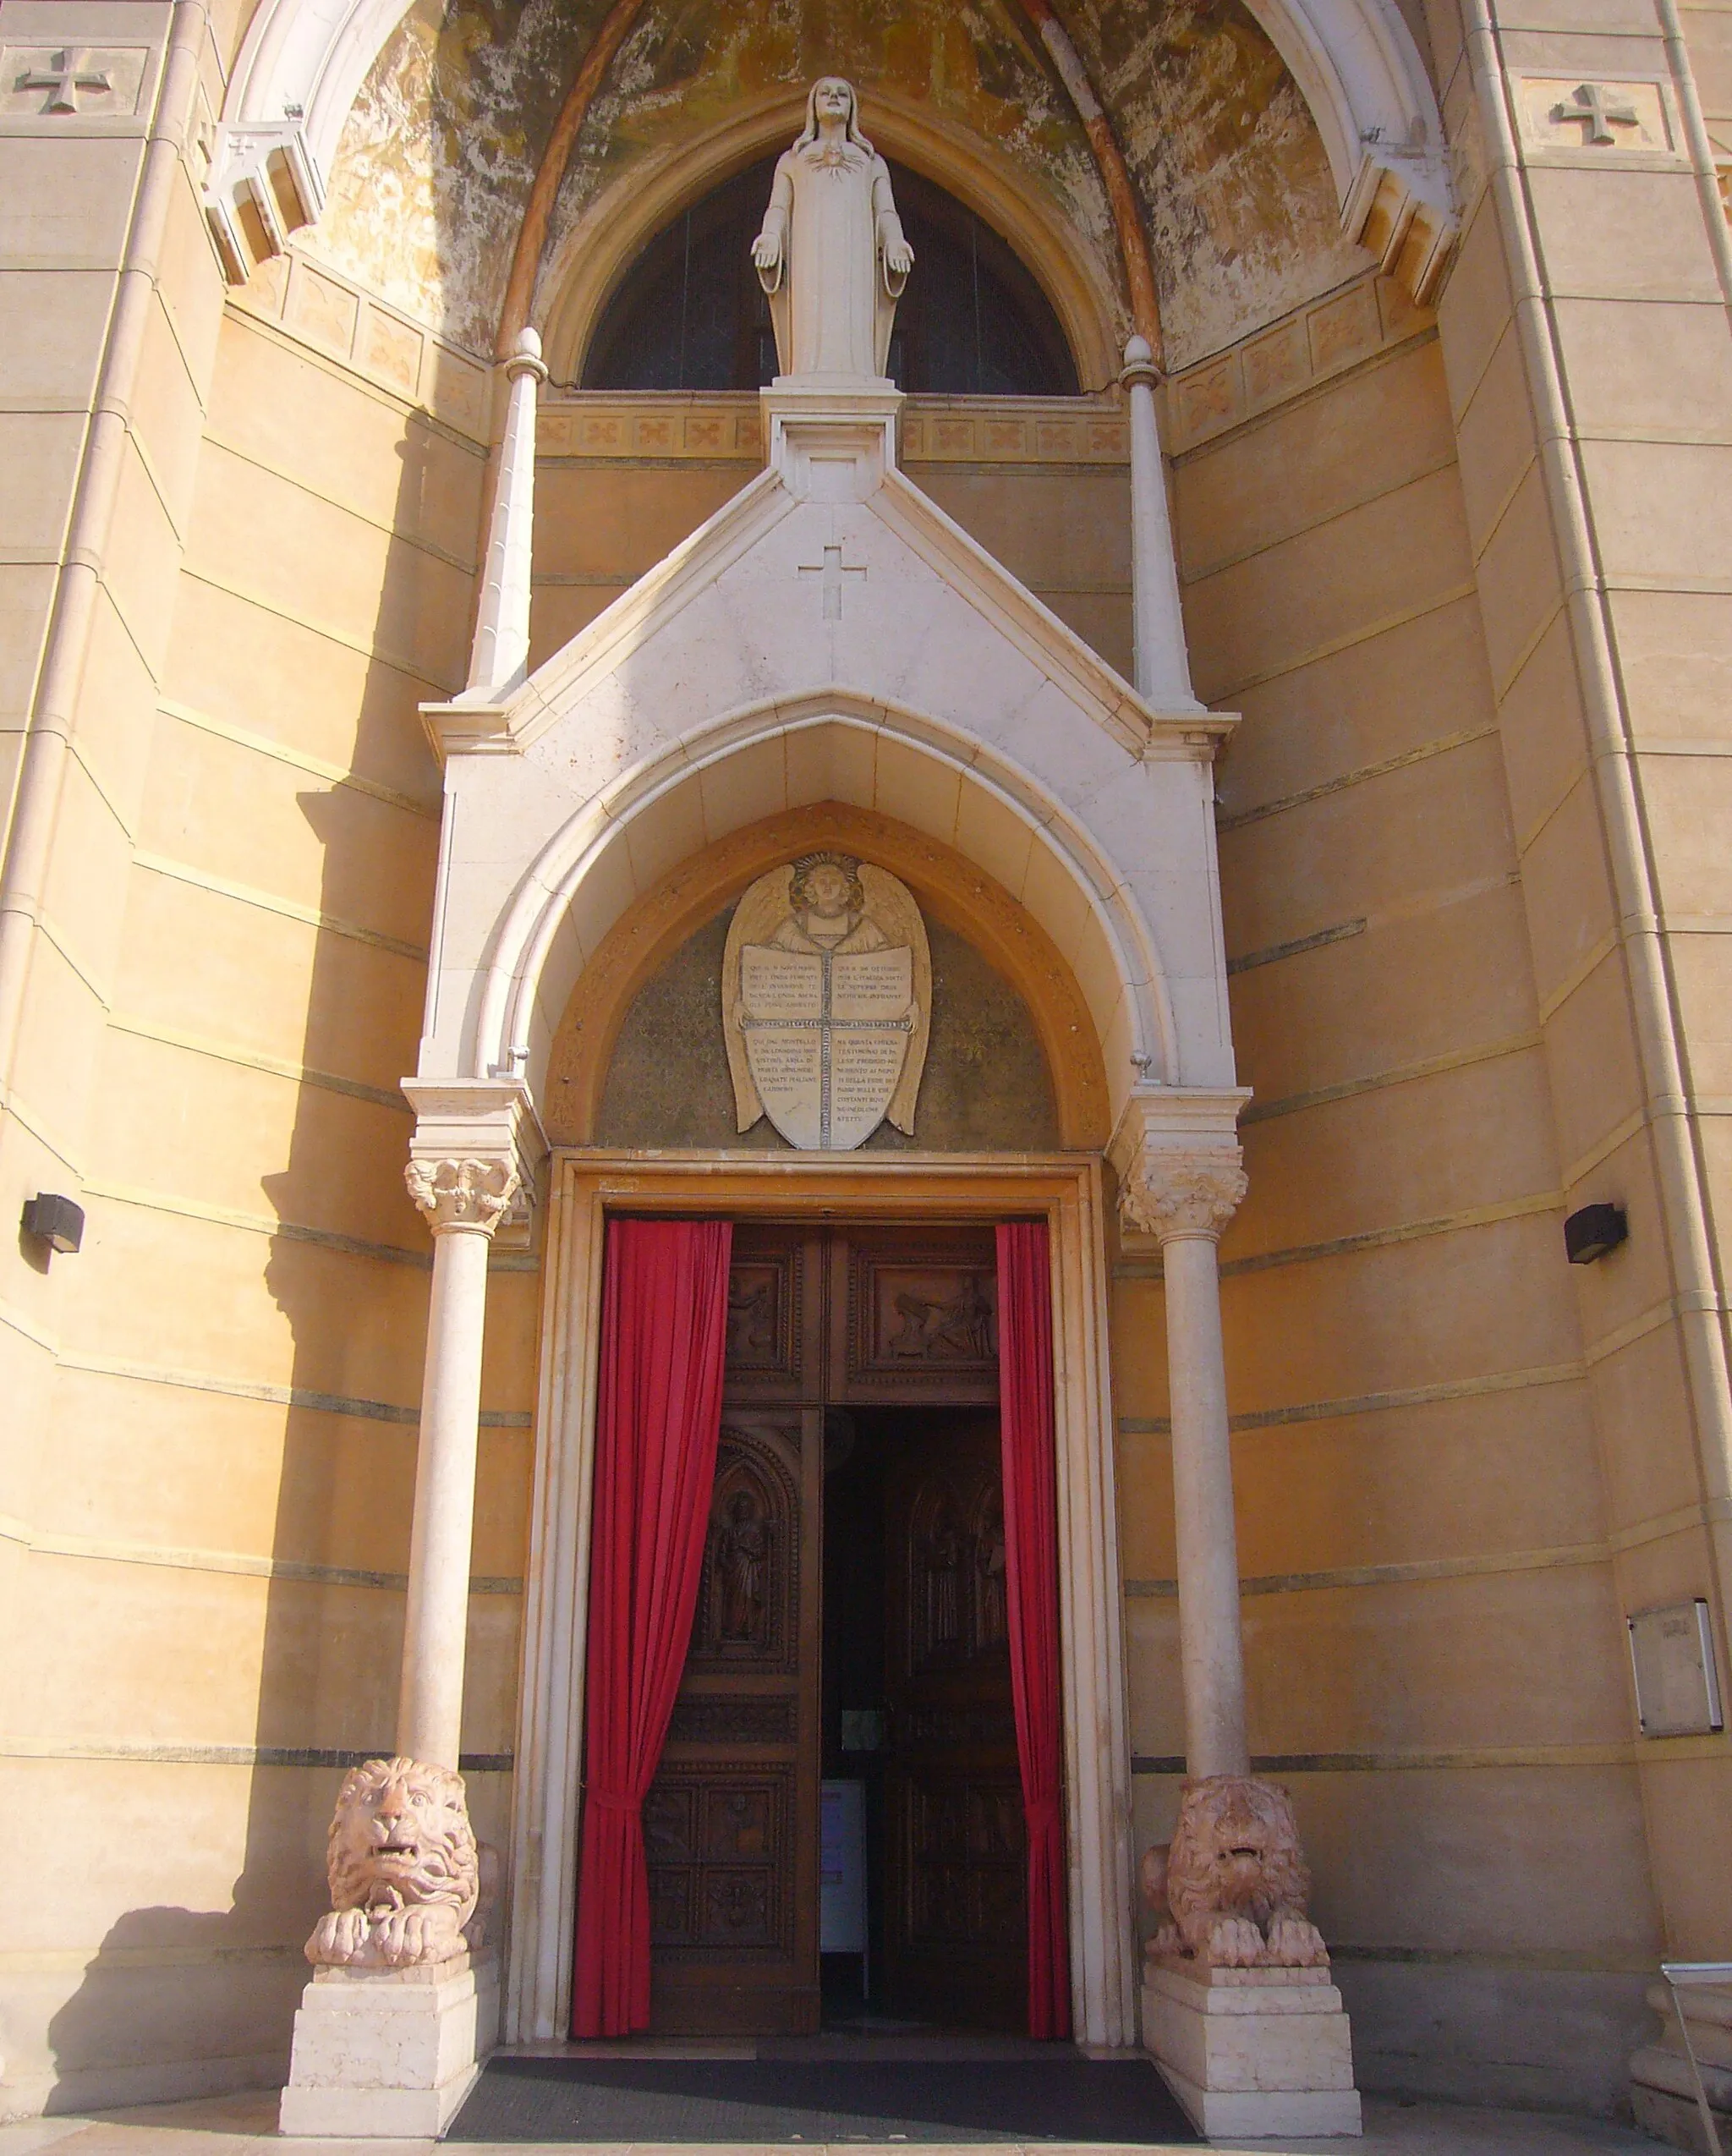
(1230, 1890)
(405, 1873)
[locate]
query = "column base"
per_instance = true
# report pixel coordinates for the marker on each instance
(389, 2054)
(1662, 2089)
(1253, 2052)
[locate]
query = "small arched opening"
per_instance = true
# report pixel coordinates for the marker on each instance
(689, 314)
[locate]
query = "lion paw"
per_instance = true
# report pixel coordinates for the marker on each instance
(1295, 1942)
(1234, 1943)
(340, 1935)
(422, 1932)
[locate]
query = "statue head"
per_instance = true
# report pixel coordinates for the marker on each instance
(831, 98)
(401, 1837)
(827, 885)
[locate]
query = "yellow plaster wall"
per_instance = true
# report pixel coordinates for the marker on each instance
(1433, 1628)
(217, 1533)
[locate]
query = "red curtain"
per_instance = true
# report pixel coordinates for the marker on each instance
(664, 1336)
(1032, 1583)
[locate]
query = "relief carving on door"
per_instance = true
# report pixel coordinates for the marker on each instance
(749, 1591)
(921, 1318)
(715, 1839)
(956, 1601)
(774, 1314)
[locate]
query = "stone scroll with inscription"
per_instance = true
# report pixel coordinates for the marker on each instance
(826, 995)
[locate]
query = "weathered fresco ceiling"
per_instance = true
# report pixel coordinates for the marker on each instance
(442, 148)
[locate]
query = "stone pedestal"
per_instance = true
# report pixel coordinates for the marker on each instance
(1662, 2089)
(389, 2054)
(1253, 2052)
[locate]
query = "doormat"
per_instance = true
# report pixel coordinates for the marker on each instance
(1065, 2098)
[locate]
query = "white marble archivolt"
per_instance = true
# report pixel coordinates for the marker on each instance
(826, 1002)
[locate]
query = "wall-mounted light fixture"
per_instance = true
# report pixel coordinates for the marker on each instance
(1593, 1231)
(57, 1221)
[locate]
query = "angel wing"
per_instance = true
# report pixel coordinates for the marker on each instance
(760, 913)
(890, 908)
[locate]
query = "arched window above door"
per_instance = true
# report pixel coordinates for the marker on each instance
(689, 314)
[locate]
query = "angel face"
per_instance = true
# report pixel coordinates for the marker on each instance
(828, 891)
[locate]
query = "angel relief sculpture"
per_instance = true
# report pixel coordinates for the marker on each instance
(826, 991)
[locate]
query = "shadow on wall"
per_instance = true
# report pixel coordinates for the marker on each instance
(121, 2040)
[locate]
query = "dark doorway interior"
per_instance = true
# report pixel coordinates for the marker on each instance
(917, 1709)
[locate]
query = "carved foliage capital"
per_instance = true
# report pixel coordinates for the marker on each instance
(462, 1192)
(1172, 1191)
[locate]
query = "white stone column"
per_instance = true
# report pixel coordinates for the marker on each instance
(403, 2005)
(464, 1200)
(499, 658)
(1163, 668)
(1237, 2005)
(1186, 1196)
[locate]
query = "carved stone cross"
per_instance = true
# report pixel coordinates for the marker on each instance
(1589, 105)
(74, 74)
(833, 570)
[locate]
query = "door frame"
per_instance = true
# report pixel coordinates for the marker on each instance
(1066, 1189)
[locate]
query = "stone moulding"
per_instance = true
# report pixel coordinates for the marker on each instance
(262, 186)
(1389, 210)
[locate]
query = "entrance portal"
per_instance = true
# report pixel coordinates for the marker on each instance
(889, 1336)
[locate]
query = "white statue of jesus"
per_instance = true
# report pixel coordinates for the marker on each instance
(832, 253)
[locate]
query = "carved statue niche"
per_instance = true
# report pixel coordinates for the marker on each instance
(831, 253)
(826, 1002)
(741, 1560)
(743, 1599)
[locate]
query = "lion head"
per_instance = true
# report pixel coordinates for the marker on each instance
(401, 1838)
(1236, 1852)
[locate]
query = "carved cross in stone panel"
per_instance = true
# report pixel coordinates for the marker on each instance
(1589, 104)
(74, 74)
(833, 570)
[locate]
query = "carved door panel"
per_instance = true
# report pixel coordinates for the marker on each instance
(955, 1933)
(776, 1315)
(914, 1317)
(730, 1824)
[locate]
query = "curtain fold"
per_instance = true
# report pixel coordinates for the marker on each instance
(664, 1337)
(1032, 1585)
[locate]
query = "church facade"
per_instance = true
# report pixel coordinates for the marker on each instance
(1022, 704)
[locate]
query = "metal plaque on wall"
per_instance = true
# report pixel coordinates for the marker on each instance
(1677, 1687)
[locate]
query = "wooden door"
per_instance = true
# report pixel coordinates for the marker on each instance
(955, 1927)
(730, 1824)
(861, 1317)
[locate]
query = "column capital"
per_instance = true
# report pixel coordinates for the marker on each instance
(472, 1154)
(1179, 1162)
(461, 1192)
